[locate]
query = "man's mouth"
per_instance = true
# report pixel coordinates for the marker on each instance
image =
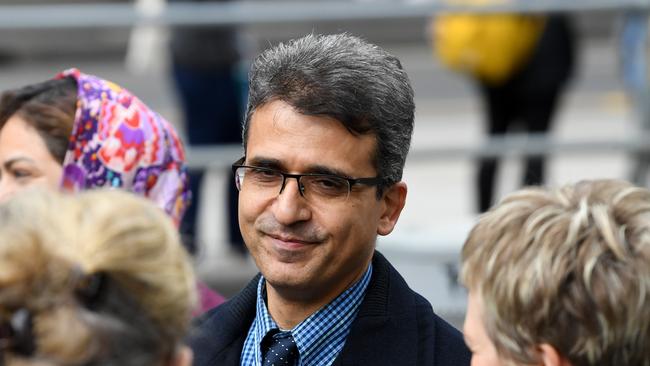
(292, 239)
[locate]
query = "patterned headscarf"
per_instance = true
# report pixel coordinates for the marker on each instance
(117, 141)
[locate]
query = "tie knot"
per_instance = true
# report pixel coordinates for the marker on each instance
(279, 349)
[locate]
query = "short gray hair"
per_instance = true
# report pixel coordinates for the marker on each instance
(343, 77)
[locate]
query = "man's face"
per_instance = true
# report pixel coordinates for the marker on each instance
(312, 250)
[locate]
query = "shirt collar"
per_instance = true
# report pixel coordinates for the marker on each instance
(263, 321)
(312, 333)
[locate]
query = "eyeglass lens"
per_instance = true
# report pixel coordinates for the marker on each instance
(312, 187)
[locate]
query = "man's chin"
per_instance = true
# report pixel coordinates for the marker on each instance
(288, 279)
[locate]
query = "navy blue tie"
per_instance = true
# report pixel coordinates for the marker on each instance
(279, 349)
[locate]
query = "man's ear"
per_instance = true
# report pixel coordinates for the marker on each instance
(183, 357)
(551, 357)
(392, 203)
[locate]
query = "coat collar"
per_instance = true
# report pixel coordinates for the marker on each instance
(387, 319)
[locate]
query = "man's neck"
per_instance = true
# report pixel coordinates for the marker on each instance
(288, 314)
(288, 309)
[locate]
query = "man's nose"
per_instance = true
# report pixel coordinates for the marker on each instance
(301, 188)
(290, 206)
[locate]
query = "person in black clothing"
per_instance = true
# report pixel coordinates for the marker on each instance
(326, 135)
(529, 98)
(205, 68)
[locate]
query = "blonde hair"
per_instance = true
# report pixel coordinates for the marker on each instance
(568, 267)
(102, 275)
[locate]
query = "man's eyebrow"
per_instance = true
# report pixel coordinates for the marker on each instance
(321, 169)
(263, 162)
(271, 163)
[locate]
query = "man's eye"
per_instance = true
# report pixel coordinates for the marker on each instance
(267, 173)
(330, 183)
(331, 186)
(263, 174)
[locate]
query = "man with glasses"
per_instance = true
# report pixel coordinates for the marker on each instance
(326, 133)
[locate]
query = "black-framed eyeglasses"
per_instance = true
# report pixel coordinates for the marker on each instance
(315, 187)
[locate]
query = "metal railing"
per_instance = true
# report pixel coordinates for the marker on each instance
(222, 156)
(100, 15)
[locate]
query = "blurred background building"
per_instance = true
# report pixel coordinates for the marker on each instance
(593, 135)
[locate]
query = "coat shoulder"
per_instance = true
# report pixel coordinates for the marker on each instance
(449, 347)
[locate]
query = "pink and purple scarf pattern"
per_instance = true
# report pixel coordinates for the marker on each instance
(119, 142)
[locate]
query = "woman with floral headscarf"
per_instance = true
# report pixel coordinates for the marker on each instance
(78, 132)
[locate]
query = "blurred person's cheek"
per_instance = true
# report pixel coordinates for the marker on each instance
(25, 160)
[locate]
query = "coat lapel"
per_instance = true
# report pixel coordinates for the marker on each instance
(220, 337)
(385, 330)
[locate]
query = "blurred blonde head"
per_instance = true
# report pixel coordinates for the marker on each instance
(101, 277)
(567, 268)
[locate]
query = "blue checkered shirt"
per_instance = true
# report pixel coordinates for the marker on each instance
(320, 337)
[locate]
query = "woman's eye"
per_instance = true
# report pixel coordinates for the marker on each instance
(21, 173)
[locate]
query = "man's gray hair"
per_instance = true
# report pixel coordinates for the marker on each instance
(345, 78)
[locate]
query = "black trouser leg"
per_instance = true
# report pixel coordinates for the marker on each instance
(499, 113)
(537, 114)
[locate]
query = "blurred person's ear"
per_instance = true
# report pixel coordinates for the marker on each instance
(551, 357)
(183, 357)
